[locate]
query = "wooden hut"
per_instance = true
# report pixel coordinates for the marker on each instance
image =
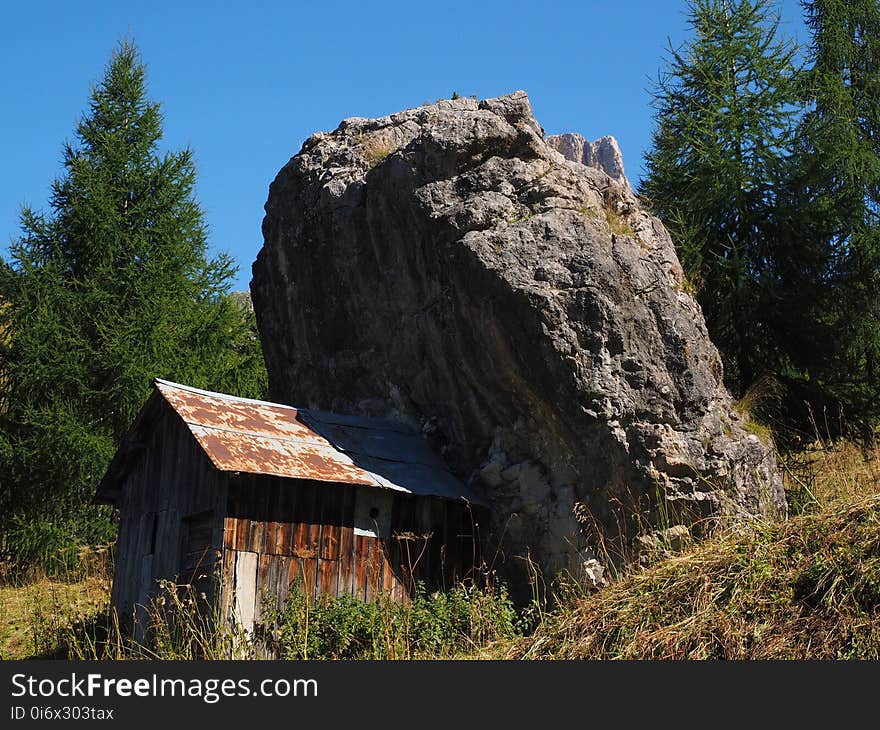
(244, 498)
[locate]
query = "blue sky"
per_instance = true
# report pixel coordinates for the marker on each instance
(244, 84)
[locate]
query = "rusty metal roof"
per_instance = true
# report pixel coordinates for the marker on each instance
(257, 437)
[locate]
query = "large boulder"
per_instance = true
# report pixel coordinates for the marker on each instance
(447, 267)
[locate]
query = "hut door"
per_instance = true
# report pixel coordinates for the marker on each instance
(146, 584)
(198, 552)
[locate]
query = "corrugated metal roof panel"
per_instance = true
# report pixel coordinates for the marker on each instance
(241, 415)
(379, 441)
(258, 437)
(340, 419)
(231, 451)
(419, 478)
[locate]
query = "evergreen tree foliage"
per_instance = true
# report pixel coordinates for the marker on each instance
(832, 221)
(110, 289)
(725, 107)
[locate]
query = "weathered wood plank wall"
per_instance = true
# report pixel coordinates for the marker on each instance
(171, 518)
(283, 532)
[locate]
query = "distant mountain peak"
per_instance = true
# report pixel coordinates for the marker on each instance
(603, 154)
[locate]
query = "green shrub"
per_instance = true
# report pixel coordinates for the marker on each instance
(436, 625)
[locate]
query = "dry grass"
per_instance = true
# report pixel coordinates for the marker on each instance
(375, 148)
(616, 220)
(617, 223)
(58, 619)
(38, 618)
(837, 472)
(805, 588)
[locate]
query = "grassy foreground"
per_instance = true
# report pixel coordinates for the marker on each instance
(805, 588)
(42, 615)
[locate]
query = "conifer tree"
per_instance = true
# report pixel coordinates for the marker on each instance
(111, 288)
(833, 204)
(724, 115)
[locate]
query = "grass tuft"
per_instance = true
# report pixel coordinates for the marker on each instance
(375, 149)
(617, 224)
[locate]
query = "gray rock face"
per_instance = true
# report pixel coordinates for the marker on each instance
(604, 153)
(446, 266)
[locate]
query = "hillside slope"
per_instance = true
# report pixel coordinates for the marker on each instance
(807, 588)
